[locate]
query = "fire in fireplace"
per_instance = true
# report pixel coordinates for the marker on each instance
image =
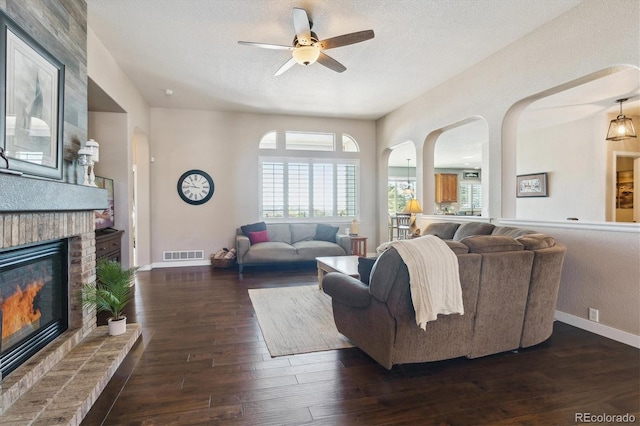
(33, 300)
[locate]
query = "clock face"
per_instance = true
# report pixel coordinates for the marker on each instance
(195, 187)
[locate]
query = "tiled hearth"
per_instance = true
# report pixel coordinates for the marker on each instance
(60, 383)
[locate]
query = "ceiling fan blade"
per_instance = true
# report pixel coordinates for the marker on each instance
(301, 26)
(345, 39)
(331, 63)
(266, 45)
(291, 62)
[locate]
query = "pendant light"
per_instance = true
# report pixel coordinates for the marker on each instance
(622, 127)
(408, 190)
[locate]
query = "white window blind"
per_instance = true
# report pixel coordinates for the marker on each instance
(323, 190)
(347, 176)
(309, 188)
(471, 196)
(272, 189)
(298, 189)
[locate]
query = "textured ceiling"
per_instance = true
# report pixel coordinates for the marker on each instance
(190, 46)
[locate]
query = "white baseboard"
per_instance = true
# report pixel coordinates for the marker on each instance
(145, 268)
(599, 329)
(180, 263)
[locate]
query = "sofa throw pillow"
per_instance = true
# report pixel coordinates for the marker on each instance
(326, 233)
(260, 226)
(365, 264)
(259, 237)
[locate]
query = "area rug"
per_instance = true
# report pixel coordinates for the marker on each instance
(296, 320)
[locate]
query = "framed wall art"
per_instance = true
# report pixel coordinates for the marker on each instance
(31, 111)
(533, 185)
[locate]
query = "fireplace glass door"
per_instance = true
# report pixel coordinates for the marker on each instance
(33, 300)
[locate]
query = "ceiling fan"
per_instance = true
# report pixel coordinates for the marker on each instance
(307, 48)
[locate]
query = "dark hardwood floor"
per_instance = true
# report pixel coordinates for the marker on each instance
(202, 361)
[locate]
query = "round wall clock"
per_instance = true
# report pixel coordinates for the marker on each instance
(195, 187)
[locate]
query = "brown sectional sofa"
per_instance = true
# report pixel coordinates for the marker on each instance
(510, 279)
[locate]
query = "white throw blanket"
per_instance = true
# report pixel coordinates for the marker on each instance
(433, 277)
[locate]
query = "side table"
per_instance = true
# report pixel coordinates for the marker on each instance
(359, 246)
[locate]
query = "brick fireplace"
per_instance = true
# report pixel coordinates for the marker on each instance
(53, 211)
(24, 228)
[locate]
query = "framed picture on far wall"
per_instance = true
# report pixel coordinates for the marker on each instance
(32, 105)
(105, 218)
(533, 185)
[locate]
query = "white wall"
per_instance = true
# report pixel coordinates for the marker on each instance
(225, 145)
(587, 41)
(576, 170)
(106, 73)
(110, 130)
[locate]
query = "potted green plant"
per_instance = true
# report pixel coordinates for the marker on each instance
(111, 293)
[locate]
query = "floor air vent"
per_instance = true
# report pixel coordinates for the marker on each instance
(170, 256)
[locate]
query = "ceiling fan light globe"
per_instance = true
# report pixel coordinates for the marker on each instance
(306, 55)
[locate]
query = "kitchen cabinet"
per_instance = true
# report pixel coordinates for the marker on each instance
(446, 188)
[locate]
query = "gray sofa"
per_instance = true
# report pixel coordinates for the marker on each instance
(510, 279)
(289, 242)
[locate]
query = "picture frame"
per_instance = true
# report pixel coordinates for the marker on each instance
(532, 185)
(32, 108)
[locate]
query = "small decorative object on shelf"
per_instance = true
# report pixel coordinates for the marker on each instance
(94, 148)
(87, 157)
(84, 160)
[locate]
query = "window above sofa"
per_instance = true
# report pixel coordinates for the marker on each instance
(296, 183)
(308, 188)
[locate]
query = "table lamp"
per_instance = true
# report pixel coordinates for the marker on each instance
(413, 207)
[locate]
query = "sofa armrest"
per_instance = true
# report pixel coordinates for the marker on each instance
(344, 241)
(346, 290)
(242, 246)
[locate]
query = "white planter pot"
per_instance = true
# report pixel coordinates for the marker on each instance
(117, 327)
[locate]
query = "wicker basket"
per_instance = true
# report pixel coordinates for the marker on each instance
(223, 263)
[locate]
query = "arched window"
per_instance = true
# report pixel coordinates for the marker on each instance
(269, 141)
(349, 144)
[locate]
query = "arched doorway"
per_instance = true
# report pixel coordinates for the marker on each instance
(458, 168)
(571, 122)
(401, 183)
